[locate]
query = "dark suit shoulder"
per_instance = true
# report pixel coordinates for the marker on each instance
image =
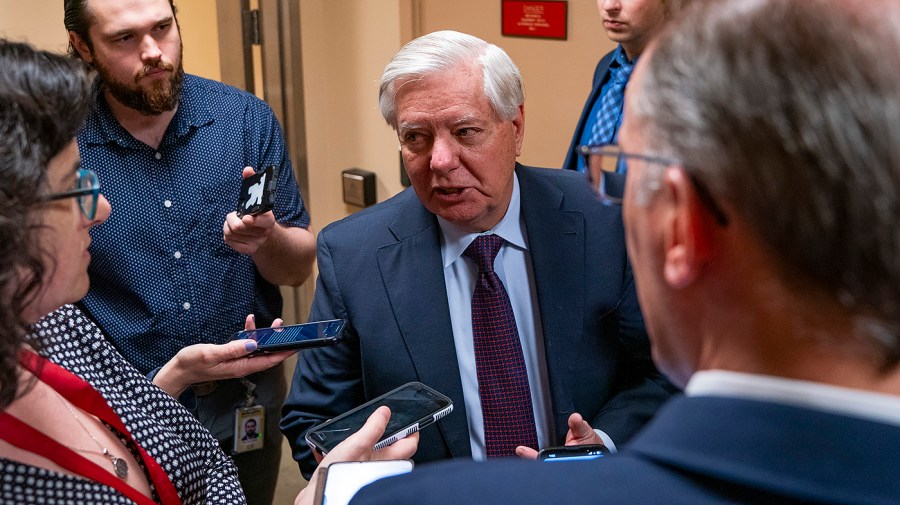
(573, 186)
(557, 176)
(620, 479)
(380, 214)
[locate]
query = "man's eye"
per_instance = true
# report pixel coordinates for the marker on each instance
(413, 138)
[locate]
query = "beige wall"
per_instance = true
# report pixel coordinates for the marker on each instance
(346, 44)
(39, 22)
(200, 35)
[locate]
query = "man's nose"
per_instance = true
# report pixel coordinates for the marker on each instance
(444, 154)
(612, 5)
(150, 50)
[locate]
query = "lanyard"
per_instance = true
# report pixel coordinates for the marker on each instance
(85, 397)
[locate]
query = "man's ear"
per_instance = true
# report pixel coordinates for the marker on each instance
(81, 46)
(519, 125)
(689, 243)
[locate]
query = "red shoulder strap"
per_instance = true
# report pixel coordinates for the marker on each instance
(88, 399)
(25, 437)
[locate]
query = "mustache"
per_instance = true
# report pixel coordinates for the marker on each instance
(161, 65)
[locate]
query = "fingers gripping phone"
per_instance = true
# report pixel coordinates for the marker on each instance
(413, 407)
(295, 336)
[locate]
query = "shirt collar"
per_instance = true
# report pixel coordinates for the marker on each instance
(456, 240)
(620, 59)
(193, 112)
(813, 395)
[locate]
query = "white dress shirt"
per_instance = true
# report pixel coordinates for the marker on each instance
(878, 407)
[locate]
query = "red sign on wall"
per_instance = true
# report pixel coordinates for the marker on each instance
(535, 19)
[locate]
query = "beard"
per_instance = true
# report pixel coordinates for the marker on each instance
(162, 97)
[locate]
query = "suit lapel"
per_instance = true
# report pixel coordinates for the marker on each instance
(556, 242)
(412, 272)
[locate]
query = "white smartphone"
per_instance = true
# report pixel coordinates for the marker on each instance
(340, 481)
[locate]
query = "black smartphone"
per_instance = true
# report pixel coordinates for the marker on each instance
(258, 192)
(295, 336)
(573, 453)
(413, 407)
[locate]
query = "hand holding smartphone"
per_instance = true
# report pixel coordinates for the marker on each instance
(573, 453)
(295, 336)
(413, 407)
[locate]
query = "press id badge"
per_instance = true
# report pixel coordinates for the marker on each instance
(249, 427)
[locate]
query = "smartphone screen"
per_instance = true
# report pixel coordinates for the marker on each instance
(295, 336)
(573, 453)
(413, 406)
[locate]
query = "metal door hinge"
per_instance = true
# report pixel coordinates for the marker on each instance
(254, 30)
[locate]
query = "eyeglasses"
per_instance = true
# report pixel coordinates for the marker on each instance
(87, 192)
(607, 164)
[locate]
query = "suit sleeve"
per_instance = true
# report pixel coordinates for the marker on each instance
(327, 380)
(640, 389)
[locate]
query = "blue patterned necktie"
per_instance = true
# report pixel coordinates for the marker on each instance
(502, 379)
(611, 104)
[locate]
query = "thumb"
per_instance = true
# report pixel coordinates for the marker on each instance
(235, 349)
(368, 435)
(376, 424)
(526, 452)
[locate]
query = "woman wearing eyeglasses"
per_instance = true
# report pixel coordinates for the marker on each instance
(77, 423)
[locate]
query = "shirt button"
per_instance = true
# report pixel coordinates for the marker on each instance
(167, 203)
(186, 305)
(158, 155)
(178, 255)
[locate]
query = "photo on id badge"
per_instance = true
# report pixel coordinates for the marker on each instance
(249, 424)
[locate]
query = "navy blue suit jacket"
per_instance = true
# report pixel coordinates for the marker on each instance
(601, 75)
(381, 269)
(700, 450)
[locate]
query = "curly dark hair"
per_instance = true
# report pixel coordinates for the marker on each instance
(44, 100)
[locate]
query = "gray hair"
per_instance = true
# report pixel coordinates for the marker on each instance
(445, 50)
(789, 111)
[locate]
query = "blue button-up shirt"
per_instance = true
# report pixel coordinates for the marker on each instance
(161, 275)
